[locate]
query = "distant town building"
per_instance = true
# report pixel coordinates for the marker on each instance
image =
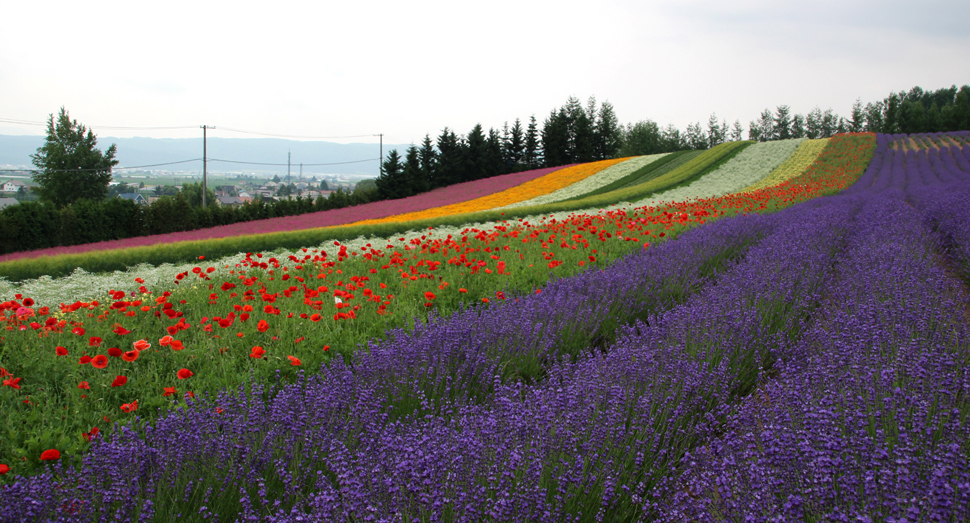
(135, 197)
(7, 202)
(229, 201)
(13, 186)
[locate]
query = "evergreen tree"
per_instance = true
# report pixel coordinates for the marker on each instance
(766, 126)
(782, 123)
(390, 183)
(514, 147)
(532, 154)
(414, 176)
(69, 164)
(450, 157)
(673, 140)
(475, 160)
(830, 122)
(857, 122)
(754, 131)
(813, 124)
(555, 139)
(428, 158)
(798, 126)
(609, 137)
(696, 138)
(890, 118)
(714, 136)
(494, 162)
(737, 132)
(582, 138)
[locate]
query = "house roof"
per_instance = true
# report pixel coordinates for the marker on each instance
(131, 196)
(4, 202)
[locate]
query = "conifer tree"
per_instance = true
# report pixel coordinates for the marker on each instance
(428, 158)
(413, 174)
(531, 153)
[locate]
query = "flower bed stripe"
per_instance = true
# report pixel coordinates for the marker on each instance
(583, 187)
(800, 160)
(539, 186)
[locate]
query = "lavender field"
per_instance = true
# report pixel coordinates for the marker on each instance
(805, 365)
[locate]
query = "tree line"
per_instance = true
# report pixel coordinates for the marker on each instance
(570, 134)
(73, 174)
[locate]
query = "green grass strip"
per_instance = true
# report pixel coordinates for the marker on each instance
(182, 252)
(655, 168)
(685, 156)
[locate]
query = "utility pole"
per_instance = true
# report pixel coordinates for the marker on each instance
(380, 162)
(287, 166)
(205, 162)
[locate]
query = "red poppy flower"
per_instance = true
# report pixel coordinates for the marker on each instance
(4, 373)
(12, 383)
(326, 347)
(83, 385)
(121, 331)
(100, 361)
(84, 360)
(88, 435)
(184, 373)
(294, 360)
(462, 290)
(128, 407)
(119, 381)
(257, 352)
(169, 391)
(315, 318)
(61, 351)
(141, 345)
(4, 469)
(130, 356)
(94, 341)
(484, 300)
(50, 455)
(262, 326)
(176, 345)
(114, 352)
(190, 394)
(501, 267)
(78, 330)
(428, 295)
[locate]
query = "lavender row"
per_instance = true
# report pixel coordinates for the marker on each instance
(868, 418)
(426, 370)
(425, 425)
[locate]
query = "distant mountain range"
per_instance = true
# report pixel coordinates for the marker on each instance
(16, 151)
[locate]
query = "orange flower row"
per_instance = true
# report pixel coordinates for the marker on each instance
(543, 185)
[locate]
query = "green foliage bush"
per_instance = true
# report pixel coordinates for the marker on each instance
(40, 225)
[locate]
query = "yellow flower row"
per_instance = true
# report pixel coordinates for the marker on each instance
(543, 185)
(795, 165)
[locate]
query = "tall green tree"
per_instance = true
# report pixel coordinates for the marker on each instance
(193, 194)
(642, 138)
(390, 183)
(428, 158)
(69, 164)
(532, 151)
(414, 176)
(782, 122)
(609, 138)
(514, 147)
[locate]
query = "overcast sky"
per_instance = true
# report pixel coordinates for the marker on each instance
(338, 69)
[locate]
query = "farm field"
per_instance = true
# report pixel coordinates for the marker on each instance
(543, 368)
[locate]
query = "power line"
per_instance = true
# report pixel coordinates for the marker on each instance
(295, 135)
(117, 127)
(282, 164)
(112, 168)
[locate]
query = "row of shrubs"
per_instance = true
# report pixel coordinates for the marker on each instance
(40, 225)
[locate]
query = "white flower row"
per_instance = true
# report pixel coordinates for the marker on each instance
(750, 165)
(600, 179)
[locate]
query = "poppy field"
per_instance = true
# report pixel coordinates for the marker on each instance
(680, 362)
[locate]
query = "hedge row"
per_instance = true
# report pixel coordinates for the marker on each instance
(40, 225)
